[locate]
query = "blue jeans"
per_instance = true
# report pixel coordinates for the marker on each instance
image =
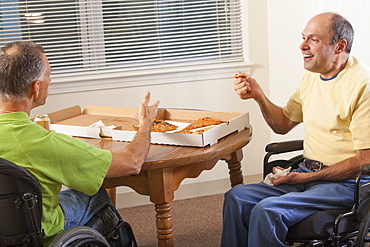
(260, 214)
(79, 208)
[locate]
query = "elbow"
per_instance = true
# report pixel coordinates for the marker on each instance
(280, 131)
(135, 171)
(136, 167)
(283, 128)
(125, 165)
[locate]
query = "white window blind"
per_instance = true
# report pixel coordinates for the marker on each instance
(85, 37)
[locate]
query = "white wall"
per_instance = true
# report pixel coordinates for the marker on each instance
(286, 22)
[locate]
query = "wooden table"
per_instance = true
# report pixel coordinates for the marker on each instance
(167, 166)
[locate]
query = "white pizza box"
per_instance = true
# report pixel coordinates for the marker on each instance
(117, 123)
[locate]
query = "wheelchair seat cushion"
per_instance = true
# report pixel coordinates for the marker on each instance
(320, 225)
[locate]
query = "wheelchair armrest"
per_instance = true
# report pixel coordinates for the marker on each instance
(278, 148)
(283, 147)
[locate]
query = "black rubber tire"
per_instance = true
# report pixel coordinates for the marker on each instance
(363, 230)
(79, 236)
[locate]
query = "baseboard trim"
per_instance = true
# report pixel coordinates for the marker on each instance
(191, 190)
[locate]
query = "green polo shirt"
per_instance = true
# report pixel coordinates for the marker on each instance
(54, 159)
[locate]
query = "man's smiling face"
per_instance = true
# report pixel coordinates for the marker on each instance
(318, 52)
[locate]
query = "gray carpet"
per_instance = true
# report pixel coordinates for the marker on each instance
(196, 222)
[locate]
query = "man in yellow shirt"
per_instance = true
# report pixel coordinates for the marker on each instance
(333, 101)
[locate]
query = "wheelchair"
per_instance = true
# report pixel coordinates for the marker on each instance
(21, 213)
(336, 228)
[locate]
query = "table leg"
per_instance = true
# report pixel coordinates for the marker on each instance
(235, 171)
(162, 194)
(164, 224)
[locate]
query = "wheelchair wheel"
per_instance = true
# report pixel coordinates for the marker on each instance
(363, 231)
(79, 236)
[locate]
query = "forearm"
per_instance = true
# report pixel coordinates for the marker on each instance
(346, 169)
(129, 162)
(248, 88)
(274, 116)
(139, 147)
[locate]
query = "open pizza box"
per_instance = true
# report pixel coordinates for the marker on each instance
(118, 122)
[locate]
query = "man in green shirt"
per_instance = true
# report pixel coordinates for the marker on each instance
(56, 159)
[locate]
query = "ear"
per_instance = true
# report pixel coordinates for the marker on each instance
(341, 46)
(36, 88)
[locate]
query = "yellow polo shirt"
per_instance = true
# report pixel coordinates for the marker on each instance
(336, 113)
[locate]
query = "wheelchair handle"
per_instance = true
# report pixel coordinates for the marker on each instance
(365, 170)
(30, 201)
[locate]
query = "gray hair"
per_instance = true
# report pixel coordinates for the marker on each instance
(341, 28)
(21, 64)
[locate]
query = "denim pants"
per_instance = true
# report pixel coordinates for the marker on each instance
(79, 208)
(258, 215)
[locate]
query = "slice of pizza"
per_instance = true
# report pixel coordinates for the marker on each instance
(244, 75)
(159, 126)
(203, 122)
(162, 126)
